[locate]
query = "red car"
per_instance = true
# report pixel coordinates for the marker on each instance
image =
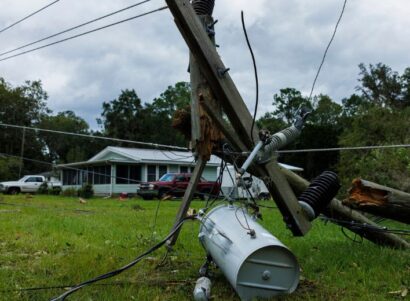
(175, 184)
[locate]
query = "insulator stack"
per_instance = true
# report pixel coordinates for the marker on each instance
(320, 192)
(283, 138)
(203, 7)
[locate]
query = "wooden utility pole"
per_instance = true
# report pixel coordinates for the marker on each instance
(204, 134)
(337, 210)
(282, 184)
(379, 200)
(225, 91)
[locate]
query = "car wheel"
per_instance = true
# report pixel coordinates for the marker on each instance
(264, 196)
(14, 190)
(162, 193)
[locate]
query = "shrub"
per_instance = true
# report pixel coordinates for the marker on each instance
(43, 189)
(54, 191)
(86, 191)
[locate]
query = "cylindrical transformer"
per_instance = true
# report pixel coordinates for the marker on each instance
(255, 262)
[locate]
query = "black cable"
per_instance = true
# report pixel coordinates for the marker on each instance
(365, 227)
(124, 268)
(154, 225)
(327, 49)
(75, 27)
(30, 15)
(256, 74)
(117, 283)
(85, 33)
(354, 239)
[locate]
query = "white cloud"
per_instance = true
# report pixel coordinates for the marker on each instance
(148, 54)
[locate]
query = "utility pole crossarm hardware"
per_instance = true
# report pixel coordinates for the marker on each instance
(213, 68)
(227, 94)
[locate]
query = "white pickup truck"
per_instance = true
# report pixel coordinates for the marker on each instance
(27, 184)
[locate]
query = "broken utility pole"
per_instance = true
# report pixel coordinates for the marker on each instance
(238, 135)
(338, 211)
(226, 93)
(379, 200)
(205, 136)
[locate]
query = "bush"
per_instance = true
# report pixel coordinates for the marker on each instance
(54, 191)
(70, 192)
(86, 191)
(43, 189)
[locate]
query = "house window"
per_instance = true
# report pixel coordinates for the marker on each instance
(128, 174)
(151, 173)
(107, 173)
(102, 174)
(135, 174)
(163, 169)
(71, 177)
(122, 174)
(185, 169)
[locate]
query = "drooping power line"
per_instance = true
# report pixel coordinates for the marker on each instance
(336, 149)
(327, 49)
(85, 33)
(29, 16)
(74, 27)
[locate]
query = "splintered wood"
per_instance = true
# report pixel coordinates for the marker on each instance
(182, 122)
(379, 200)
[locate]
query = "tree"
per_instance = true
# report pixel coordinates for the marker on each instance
(123, 117)
(127, 118)
(172, 99)
(383, 86)
(25, 106)
(63, 148)
(379, 126)
(271, 123)
(321, 130)
(288, 103)
(355, 105)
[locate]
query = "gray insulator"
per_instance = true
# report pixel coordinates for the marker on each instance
(283, 138)
(202, 291)
(203, 7)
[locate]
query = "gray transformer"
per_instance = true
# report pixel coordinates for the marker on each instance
(255, 265)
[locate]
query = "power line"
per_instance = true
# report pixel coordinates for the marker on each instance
(255, 72)
(155, 145)
(336, 149)
(126, 267)
(327, 49)
(85, 33)
(30, 15)
(74, 27)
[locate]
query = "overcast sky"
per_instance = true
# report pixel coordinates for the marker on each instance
(148, 54)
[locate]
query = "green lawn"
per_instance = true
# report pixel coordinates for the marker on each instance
(56, 241)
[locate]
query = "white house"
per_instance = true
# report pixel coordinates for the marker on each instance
(118, 169)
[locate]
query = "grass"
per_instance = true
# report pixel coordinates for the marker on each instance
(50, 241)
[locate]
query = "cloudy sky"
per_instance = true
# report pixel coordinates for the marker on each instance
(148, 54)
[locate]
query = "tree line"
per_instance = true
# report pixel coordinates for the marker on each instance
(375, 115)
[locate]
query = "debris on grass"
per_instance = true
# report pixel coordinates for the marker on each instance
(400, 293)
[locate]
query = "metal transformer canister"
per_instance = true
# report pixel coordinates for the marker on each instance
(255, 265)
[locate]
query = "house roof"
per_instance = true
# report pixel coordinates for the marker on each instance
(151, 156)
(112, 154)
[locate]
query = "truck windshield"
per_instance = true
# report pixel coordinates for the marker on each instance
(168, 177)
(23, 179)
